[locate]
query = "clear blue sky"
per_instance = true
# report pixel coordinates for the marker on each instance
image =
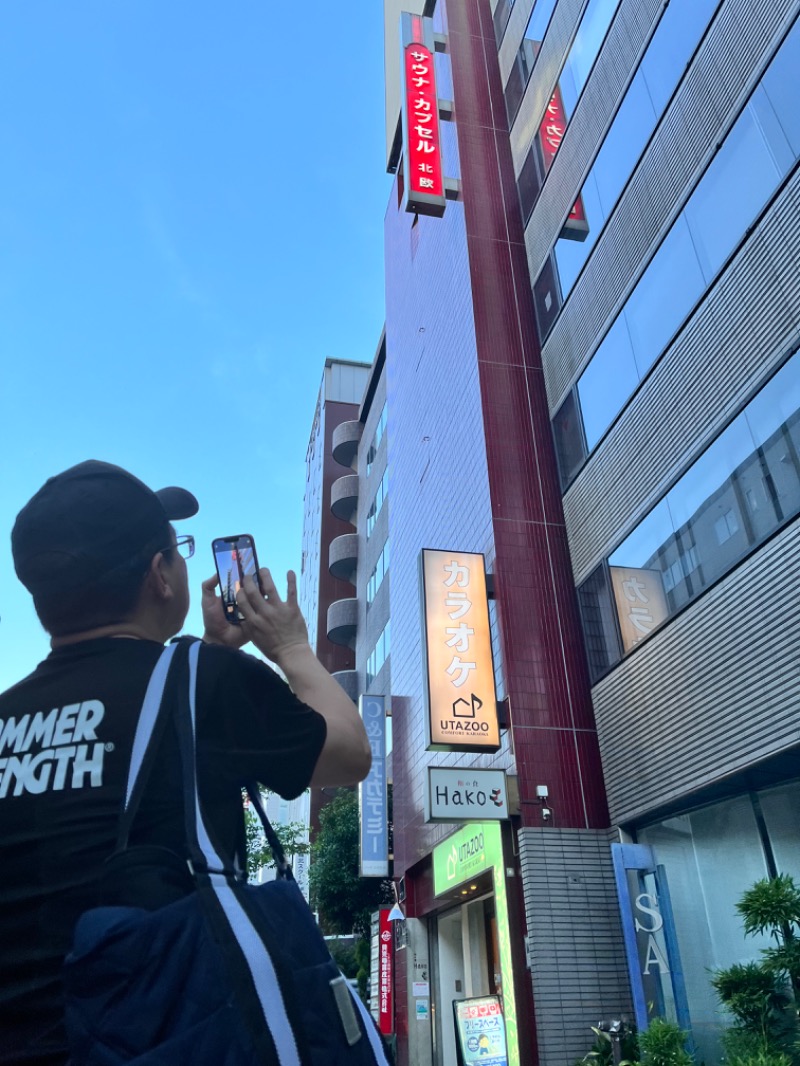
(191, 221)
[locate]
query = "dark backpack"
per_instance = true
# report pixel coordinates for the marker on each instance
(207, 970)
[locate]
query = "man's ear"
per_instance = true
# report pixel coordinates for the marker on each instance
(157, 581)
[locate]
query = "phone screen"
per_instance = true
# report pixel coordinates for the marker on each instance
(235, 559)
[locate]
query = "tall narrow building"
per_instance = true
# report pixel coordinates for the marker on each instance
(340, 393)
(592, 315)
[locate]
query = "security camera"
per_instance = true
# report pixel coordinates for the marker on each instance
(546, 812)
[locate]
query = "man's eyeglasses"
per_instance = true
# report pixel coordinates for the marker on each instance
(184, 546)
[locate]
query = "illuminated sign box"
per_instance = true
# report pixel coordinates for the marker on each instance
(373, 804)
(460, 690)
(385, 974)
(453, 794)
(422, 143)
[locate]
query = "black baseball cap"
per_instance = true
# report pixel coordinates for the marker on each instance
(87, 522)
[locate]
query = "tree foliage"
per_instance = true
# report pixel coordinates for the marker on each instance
(763, 996)
(344, 900)
(292, 835)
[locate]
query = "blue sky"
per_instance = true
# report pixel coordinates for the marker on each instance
(191, 221)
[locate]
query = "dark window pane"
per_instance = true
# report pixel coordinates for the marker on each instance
(514, 91)
(529, 183)
(547, 298)
(526, 56)
(570, 448)
(500, 19)
(599, 627)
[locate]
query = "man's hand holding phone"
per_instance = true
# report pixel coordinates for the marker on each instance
(218, 630)
(276, 626)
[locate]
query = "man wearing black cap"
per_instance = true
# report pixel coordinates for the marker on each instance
(96, 549)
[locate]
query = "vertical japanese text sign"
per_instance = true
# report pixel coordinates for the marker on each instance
(385, 974)
(462, 700)
(551, 133)
(372, 796)
(422, 144)
(641, 602)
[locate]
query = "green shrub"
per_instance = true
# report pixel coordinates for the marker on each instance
(663, 1043)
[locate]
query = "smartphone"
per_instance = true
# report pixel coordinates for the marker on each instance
(235, 559)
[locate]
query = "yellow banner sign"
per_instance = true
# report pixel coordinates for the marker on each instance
(462, 701)
(641, 603)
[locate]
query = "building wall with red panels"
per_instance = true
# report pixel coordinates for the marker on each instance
(555, 739)
(471, 461)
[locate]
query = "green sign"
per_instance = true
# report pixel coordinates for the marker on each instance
(469, 852)
(466, 854)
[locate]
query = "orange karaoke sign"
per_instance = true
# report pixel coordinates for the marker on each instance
(462, 699)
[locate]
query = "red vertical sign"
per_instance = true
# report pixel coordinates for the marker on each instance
(551, 133)
(423, 147)
(385, 974)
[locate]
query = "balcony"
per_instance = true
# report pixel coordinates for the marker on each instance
(346, 439)
(348, 679)
(343, 557)
(343, 622)
(344, 497)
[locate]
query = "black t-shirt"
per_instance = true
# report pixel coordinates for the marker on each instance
(65, 739)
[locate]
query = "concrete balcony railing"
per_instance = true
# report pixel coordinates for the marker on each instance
(344, 497)
(345, 442)
(343, 622)
(348, 679)
(343, 557)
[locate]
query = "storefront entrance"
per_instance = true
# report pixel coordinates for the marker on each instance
(465, 955)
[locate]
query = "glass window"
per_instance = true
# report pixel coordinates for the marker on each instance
(546, 297)
(585, 47)
(711, 472)
(607, 381)
(526, 56)
(571, 254)
(529, 183)
(779, 807)
(502, 13)
(664, 63)
(679, 32)
(599, 623)
(737, 184)
(741, 490)
(376, 505)
(378, 655)
(570, 449)
(379, 571)
(711, 857)
(782, 85)
(624, 143)
(377, 437)
(744, 174)
(664, 295)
